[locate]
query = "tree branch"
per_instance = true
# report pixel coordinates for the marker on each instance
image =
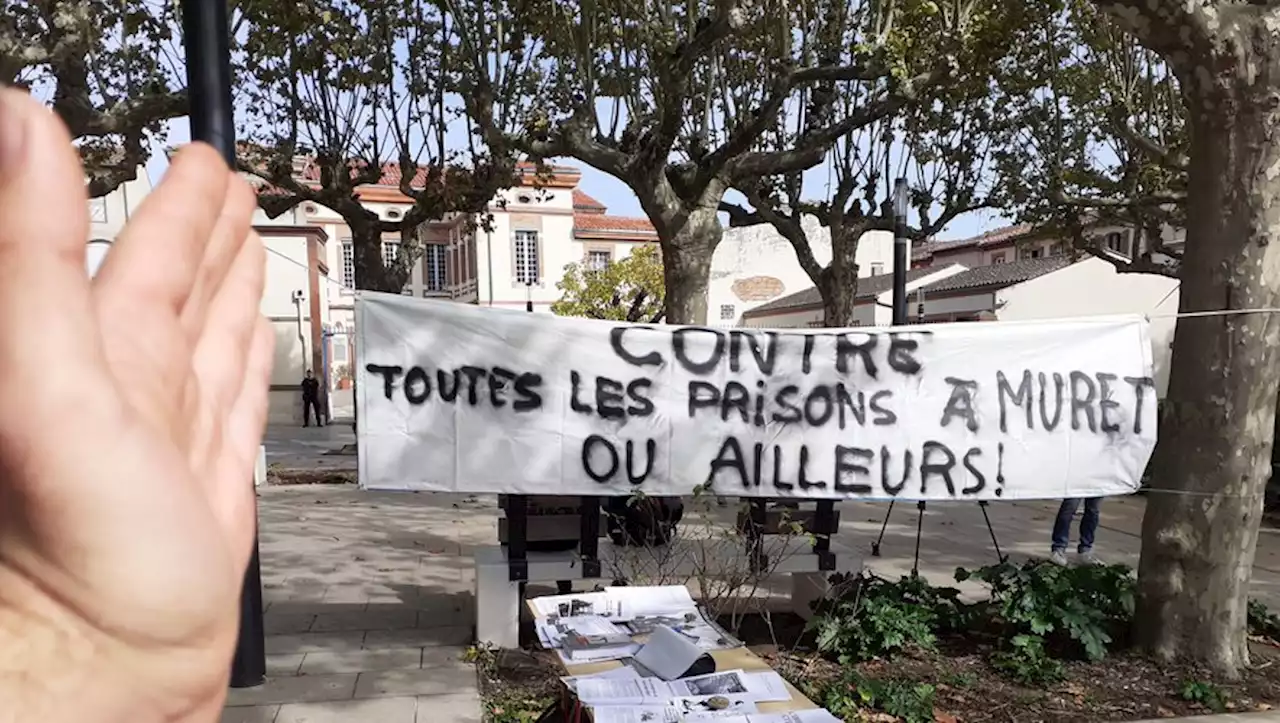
(1157, 152)
(792, 229)
(1144, 263)
(740, 217)
(1158, 199)
(812, 146)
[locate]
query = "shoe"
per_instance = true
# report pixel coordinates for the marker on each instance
(1058, 557)
(1087, 558)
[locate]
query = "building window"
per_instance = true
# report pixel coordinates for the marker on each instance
(1058, 249)
(434, 267)
(877, 269)
(390, 253)
(598, 259)
(339, 350)
(727, 312)
(1118, 242)
(525, 260)
(98, 210)
(1031, 252)
(348, 265)
(997, 258)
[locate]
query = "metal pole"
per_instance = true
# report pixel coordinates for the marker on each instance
(900, 260)
(900, 255)
(208, 57)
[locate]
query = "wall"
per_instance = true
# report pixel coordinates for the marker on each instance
(108, 214)
(759, 253)
(1091, 288)
(870, 312)
(287, 272)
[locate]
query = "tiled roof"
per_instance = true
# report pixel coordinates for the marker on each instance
(994, 237)
(998, 276)
(586, 204)
(601, 223)
(868, 287)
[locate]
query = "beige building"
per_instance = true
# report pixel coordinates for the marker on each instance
(512, 258)
(755, 265)
(1031, 289)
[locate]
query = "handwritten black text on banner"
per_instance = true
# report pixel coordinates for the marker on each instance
(458, 398)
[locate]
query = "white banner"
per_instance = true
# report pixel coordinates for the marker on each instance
(457, 398)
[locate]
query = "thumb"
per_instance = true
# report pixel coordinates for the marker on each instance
(45, 298)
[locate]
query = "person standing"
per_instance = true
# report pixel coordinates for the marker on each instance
(311, 400)
(1088, 528)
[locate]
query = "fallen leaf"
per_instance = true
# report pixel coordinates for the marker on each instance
(1164, 712)
(1262, 706)
(941, 717)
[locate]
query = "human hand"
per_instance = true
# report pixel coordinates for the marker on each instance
(133, 407)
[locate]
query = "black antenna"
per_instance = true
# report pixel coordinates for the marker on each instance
(208, 53)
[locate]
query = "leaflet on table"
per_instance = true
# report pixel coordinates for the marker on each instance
(674, 713)
(669, 654)
(623, 673)
(582, 603)
(696, 626)
(735, 684)
(653, 600)
(812, 715)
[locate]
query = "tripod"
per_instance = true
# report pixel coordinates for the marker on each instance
(921, 506)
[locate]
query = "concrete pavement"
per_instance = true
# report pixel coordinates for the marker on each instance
(368, 607)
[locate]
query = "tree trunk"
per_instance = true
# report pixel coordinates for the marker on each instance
(366, 250)
(838, 284)
(1213, 460)
(686, 266)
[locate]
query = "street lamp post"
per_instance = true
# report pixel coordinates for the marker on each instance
(206, 42)
(900, 255)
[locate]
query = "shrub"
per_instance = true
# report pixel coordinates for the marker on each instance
(1076, 607)
(1262, 621)
(910, 702)
(872, 618)
(1025, 660)
(1206, 694)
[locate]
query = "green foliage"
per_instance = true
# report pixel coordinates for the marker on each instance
(1080, 605)
(1206, 694)
(1262, 621)
(107, 69)
(872, 618)
(911, 702)
(1025, 660)
(503, 705)
(629, 289)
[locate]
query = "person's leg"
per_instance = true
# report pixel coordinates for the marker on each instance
(1062, 530)
(1088, 526)
(307, 405)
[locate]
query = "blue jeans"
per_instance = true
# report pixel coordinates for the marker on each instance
(1088, 524)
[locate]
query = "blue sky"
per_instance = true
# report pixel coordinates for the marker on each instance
(617, 197)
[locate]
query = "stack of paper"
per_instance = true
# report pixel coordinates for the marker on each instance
(585, 638)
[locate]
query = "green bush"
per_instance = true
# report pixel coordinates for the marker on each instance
(1075, 607)
(1025, 660)
(910, 702)
(1206, 694)
(1262, 621)
(873, 618)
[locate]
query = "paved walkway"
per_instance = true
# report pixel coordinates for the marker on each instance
(369, 607)
(310, 448)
